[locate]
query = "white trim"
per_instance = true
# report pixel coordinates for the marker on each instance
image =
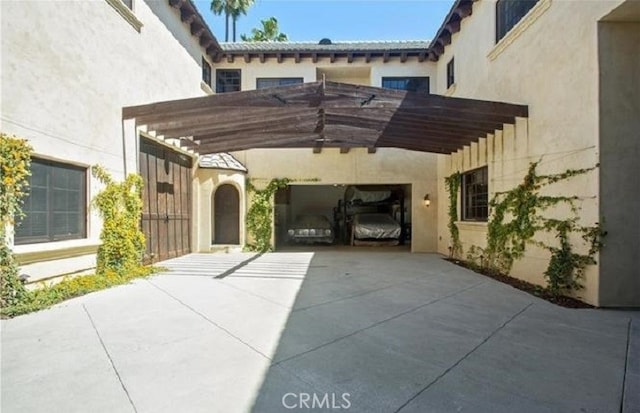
(206, 88)
(515, 32)
(126, 13)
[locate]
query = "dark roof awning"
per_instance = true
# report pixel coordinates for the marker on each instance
(325, 114)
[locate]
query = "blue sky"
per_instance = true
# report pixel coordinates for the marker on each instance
(311, 20)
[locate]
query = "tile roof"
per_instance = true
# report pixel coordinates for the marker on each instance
(338, 46)
(221, 160)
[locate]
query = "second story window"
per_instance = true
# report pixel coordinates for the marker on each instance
(509, 13)
(228, 80)
(265, 82)
(475, 195)
(451, 78)
(206, 72)
(412, 84)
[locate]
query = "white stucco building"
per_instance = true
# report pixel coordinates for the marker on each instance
(569, 69)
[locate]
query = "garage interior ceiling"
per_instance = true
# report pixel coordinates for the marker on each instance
(324, 114)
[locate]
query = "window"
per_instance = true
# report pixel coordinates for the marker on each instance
(509, 13)
(412, 84)
(227, 80)
(475, 195)
(451, 78)
(206, 72)
(264, 82)
(55, 208)
(128, 3)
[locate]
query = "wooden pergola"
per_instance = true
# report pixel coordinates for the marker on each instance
(324, 114)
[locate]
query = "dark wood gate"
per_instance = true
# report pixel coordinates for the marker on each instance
(226, 215)
(166, 213)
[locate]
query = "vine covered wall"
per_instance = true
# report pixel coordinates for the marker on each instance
(120, 206)
(15, 164)
(517, 218)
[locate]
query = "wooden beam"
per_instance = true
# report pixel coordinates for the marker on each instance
(464, 9)
(385, 57)
(344, 149)
(453, 26)
(206, 41)
(247, 57)
(332, 57)
(414, 123)
(422, 56)
(197, 29)
(295, 122)
(251, 98)
(314, 57)
(297, 57)
(445, 38)
(225, 116)
(367, 57)
(438, 48)
(279, 57)
(350, 57)
(371, 149)
(187, 15)
(403, 57)
(176, 3)
(272, 142)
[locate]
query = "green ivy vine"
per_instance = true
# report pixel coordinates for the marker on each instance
(15, 169)
(452, 183)
(120, 206)
(516, 219)
(260, 214)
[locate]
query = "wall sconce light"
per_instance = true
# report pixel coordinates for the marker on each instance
(427, 201)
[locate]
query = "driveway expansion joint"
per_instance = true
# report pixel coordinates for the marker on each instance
(113, 365)
(411, 310)
(210, 321)
(444, 373)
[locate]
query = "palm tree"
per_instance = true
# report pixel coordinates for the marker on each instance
(270, 32)
(233, 9)
(239, 8)
(218, 7)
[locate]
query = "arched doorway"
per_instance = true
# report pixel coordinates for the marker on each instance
(226, 215)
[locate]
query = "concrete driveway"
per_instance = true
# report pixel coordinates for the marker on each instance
(326, 331)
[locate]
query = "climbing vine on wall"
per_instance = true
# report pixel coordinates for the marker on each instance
(452, 184)
(15, 164)
(516, 219)
(260, 214)
(120, 206)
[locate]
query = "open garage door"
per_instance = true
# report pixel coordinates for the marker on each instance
(166, 213)
(343, 215)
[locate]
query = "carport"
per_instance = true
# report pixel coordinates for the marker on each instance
(324, 114)
(321, 115)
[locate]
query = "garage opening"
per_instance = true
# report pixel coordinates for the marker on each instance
(343, 215)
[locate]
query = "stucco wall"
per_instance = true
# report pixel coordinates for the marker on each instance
(619, 50)
(548, 62)
(386, 166)
(69, 68)
(357, 72)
